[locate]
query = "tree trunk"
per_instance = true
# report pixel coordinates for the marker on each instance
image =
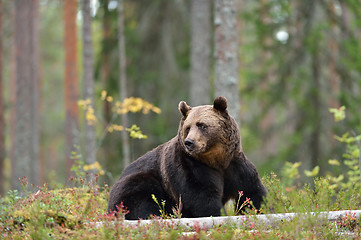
(123, 81)
(88, 81)
(315, 145)
(12, 98)
(200, 52)
(333, 50)
(71, 87)
(108, 145)
(269, 139)
(226, 54)
(26, 162)
(2, 123)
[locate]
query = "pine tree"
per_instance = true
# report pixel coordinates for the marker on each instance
(71, 82)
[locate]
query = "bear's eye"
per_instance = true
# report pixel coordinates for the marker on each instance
(187, 130)
(202, 126)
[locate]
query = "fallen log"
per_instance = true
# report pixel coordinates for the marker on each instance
(263, 219)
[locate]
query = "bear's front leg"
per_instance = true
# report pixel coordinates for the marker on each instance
(242, 176)
(201, 203)
(201, 192)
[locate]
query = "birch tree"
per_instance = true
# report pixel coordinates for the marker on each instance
(71, 82)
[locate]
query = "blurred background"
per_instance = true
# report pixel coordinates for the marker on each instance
(291, 61)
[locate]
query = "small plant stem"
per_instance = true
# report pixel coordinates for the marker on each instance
(359, 155)
(106, 130)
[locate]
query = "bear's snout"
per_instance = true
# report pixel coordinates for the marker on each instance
(189, 143)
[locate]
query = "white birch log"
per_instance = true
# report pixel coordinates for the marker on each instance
(264, 219)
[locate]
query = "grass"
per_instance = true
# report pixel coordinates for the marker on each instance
(72, 213)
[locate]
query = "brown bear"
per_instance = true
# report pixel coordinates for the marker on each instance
(202, 167)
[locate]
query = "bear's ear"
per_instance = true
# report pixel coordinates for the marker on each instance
(184, 108)
(220, 103)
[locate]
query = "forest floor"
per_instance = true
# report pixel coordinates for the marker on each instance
(79, 212)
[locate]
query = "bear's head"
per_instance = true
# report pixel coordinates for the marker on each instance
(209, 134)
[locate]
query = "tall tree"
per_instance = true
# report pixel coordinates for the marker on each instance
(226, 54)
(71, 81)
(200, 52)
(12, 88)
(26, 159)
(106, 71)
(123, 81)
(333, 47)
(2, 123)
(88, 81)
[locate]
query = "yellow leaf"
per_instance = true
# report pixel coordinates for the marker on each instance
(334, 162)
(110, 99)
(103, 95)
(156, 110)
(338, 113)
(312, 173)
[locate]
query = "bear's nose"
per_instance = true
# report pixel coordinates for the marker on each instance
(189, 144)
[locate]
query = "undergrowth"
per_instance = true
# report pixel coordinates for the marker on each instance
(80, 211)
(75, 212)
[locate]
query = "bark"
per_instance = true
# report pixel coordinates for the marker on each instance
(88, 81)
(36, 83)
(345, 16)
(106, 61)
(226, 54)
(123, 81)
(2, 123)
(107, 151)
(26, 159)
(333, 47)
(12, 100)
(200, 52)
(315, 148)
(71, 84)
(269, 140)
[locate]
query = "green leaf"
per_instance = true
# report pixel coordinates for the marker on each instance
(356, 153)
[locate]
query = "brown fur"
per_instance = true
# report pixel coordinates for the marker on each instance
(217, 144)
(203, 166)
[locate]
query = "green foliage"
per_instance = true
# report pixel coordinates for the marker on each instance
(290, 172)
(313, 173)
(329, 192)
(78, 166)
(161, 206)
(338, 113)
(48, 213)
(288, 85)
(73, 213)
(352, 158)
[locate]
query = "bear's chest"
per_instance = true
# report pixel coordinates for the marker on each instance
(195, 174)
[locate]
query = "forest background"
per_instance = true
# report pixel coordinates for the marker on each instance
(294, 60)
